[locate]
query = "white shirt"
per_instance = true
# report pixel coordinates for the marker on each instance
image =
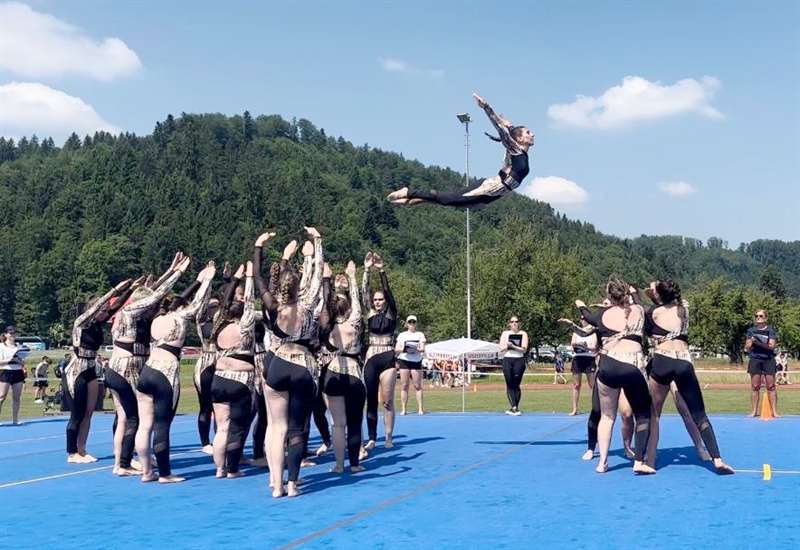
(514, 338)
(410, 342)
(7, 352)
(585, 342)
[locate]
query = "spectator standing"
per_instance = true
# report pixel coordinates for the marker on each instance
(760, 342)
(12, 375)
(40, 381)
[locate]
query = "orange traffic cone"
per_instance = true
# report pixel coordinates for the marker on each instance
(474, 387)
(766, 408)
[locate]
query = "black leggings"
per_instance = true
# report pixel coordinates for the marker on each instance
(127, 400)
(240, 399)
(320, 421)
(618, 375)
(453, 198)
(594, 419)
(373, 369)
(206, 405)
(156, 385)
(354, 393)
(665, 370)
(283, 376)
(78, 411)
(259, 413)
(513, 369)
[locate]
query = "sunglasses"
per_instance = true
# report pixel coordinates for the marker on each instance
(514, 322)
(760, 316)
(411, 322)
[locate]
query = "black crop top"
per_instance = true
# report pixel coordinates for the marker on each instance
(595, 318)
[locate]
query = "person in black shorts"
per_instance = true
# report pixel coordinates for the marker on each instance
(760, 343)
(584, 350)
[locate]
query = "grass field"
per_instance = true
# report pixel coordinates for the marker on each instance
(555, 399)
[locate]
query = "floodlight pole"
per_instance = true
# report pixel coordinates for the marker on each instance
(465, 119)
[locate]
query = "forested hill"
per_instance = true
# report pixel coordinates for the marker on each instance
(80, 217)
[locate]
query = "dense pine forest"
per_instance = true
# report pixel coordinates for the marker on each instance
(80, 217)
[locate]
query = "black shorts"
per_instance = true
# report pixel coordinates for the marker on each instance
(40, 383)
(12, 376)
(761, 366)
(583, 364)
(410, 365)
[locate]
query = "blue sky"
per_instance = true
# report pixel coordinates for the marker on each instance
(679, 118)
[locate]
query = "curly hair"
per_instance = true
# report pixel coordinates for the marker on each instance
(669, 293)
(617, 292)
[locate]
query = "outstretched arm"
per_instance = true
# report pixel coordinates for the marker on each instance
(88, 316)
(355, 303)
(264, 292)
(312, 291)
(501, 124)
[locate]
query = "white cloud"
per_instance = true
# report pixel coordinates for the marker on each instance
(636, 100)
(556, 191)
(401, 67)
(677, 188)
(28, 108)
(38, 45)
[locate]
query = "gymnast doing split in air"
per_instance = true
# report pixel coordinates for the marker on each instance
(516, 140)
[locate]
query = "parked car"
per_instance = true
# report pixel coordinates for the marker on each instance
(33, 342)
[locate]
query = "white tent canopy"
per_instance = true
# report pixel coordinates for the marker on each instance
(459, 349)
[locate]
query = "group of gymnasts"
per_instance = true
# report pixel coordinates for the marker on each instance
(292, 358)
(300, 353)
(636, 386)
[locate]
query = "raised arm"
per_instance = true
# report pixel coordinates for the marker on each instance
(501, 125)
(143, 304)
(366, 303)
(355, 303)
(311, 293)
(203, 293)
(308, 263)
(178, 260)
(88, 316)
(264, 292)
(326, 316)
(249, 311)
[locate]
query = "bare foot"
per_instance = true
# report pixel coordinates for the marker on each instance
(322, 450)
(588, 455)
(752, 414)
(573, 413)
(171, 479)
(776, 415)
(402, 413)
(337, 469)
(259, 462)
(220, 473)
(399, 196)
(136, 465)
(292, 490)
(208, 449)
(388, 444)
(356, 469)
(307, 463)
(722, 468)
(75, 458)
(602, 468)
(277, 493)
(642, 468)
(147, 478)
(420, 413)
(88, 458)
(123, 472)
(370, 445)
(232, 475)
(363, 454)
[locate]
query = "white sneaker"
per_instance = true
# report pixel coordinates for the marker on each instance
(509, 412)
(38, 401)
(517, 413)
